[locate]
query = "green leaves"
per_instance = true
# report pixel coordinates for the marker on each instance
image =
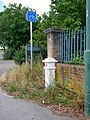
(68, 13)
(13, 26)
(14, 29)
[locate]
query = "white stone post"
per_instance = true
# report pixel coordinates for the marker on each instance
(49, 71)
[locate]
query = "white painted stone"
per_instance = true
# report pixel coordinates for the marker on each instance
(49, 71)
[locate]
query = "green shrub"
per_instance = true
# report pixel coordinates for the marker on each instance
(19, 56)
(8, 54)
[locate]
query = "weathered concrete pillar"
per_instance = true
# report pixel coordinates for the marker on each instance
(55, 43)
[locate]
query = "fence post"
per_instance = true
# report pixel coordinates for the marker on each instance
(55, 43)
(87, 62)
(26, 53)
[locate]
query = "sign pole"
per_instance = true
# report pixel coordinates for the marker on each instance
(87, 63)
(31, 17)
(26, 53)
(31, 43)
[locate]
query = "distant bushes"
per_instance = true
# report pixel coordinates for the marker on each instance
(19, 56)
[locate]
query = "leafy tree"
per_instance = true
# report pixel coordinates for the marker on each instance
(39, 37)
(14, 29)
(68, 13)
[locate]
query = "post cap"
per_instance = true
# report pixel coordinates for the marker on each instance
(56, 30)
(49, 60)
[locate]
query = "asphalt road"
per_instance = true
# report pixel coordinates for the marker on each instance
(6, 65)
(17, 109)
(1, 55)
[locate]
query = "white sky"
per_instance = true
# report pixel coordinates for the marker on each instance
(40, 6)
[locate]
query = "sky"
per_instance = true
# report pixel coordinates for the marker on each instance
(40, 6)
(1, 5)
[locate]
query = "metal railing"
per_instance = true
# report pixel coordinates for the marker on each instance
(73, 45)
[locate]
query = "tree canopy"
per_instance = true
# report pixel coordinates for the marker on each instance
(68, 13)
(14, 29)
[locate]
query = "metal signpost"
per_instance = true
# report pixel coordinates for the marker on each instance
(34, 49)
(31, 17)
(87, 62)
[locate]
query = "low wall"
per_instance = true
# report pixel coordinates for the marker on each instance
(69, 72)
(71, 77)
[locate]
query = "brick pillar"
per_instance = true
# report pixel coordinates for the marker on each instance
(55, 43)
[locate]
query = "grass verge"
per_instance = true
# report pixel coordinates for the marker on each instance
(22, 83)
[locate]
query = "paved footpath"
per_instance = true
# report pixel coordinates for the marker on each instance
(6, 65)
(17, 109)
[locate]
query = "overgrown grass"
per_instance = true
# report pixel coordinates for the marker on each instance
(23, 83)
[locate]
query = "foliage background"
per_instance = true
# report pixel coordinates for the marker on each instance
(14, 29)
